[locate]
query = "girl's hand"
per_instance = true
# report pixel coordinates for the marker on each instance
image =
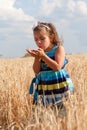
(40, 52)
(28, 50)
(36, 53)
(31, 52)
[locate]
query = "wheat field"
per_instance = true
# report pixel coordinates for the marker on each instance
(16, 110)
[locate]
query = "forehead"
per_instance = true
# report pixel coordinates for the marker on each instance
(41, 33)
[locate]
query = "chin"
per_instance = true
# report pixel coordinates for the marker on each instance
(40, 47)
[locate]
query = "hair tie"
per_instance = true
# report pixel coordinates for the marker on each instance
(40, 24)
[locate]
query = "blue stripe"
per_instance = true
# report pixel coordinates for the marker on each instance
(52, 76)
(53, 81)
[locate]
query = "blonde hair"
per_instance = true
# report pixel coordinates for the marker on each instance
(50, 28)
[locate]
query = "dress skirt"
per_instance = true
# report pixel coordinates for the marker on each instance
(53, 86)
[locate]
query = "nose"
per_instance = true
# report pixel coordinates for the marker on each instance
(39, 41)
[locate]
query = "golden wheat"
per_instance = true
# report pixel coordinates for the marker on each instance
(16, 104)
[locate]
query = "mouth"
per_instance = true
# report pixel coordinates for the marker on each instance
(39, 46)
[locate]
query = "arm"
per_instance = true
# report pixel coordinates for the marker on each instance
(54, 64)
(59, 59)
(60, 56)
(36, 65)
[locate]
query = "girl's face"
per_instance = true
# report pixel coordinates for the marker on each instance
(43, 41)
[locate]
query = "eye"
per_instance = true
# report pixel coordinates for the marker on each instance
(36, 40)
(42, 38)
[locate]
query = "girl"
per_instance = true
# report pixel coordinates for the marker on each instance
(53, 81)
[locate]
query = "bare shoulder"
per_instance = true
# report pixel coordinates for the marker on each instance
(60, 49)
(60, 55)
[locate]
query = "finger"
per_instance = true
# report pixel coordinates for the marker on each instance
(28, 50)
(40, 49)
(36, 51)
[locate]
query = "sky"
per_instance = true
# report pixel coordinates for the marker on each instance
(17, 18)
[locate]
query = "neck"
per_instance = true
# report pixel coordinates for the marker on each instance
(50, 48)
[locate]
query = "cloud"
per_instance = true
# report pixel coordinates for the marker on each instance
(82, 7)
(9, 12)
(77, 8)
(15, 28)
(14, 22)
(71, 5)
(73, 8)
(6, 4)
(69, 16)
(48, 6)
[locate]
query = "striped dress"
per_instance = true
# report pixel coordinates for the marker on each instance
(52, 85)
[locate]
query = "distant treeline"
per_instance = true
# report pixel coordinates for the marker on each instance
(27, 55)
(0, 55)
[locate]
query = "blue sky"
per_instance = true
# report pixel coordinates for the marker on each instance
(17, 17)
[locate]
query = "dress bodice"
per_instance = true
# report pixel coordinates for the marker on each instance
(51, 54)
